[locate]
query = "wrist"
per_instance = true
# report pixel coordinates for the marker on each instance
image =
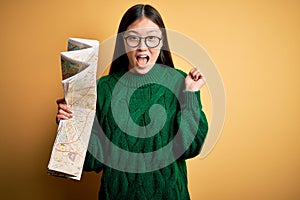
(191, 89)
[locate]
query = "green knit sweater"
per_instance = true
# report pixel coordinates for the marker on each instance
(158, 138)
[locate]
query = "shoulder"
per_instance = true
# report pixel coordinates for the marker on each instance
(174, 78)
(172, 70)
(103, 79)
(176, 72)
(181, 72)
(107, 81)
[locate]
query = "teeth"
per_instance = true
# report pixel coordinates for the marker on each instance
(143, 57)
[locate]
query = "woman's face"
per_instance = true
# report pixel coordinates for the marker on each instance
(143, 41)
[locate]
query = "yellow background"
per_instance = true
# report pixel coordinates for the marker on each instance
(255, 45)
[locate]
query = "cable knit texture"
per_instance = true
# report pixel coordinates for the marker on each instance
(184, 121)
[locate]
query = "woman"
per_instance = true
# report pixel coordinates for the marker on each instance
(143, 75)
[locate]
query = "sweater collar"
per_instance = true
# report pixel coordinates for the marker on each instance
(130, 79)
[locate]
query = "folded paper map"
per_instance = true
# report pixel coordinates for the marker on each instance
(79, 67)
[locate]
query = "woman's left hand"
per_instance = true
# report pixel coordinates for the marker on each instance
(194, 80)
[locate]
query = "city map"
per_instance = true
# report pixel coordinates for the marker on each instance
(79, 68)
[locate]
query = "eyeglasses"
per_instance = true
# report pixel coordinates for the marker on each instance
(150, 41)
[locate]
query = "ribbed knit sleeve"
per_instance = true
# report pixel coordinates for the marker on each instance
(193, 125)
(92, 162)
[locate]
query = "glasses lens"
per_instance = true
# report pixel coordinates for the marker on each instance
(133, 41)
(152, 41)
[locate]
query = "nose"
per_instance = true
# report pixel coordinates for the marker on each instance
(142, 45)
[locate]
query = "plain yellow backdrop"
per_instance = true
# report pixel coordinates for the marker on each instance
(255, 45)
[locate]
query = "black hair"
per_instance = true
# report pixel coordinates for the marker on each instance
(120, 60)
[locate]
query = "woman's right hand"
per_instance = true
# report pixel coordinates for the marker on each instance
(64, 111)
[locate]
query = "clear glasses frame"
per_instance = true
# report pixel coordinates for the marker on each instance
(150, 41)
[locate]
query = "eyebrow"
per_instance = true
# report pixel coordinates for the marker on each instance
(152, 31)
(131, 32)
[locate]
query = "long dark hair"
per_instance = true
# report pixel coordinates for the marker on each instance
(120, 59)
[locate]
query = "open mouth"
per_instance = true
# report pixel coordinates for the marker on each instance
(142, 59)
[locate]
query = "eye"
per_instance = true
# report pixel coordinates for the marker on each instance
(133, 38)
(151, 38)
